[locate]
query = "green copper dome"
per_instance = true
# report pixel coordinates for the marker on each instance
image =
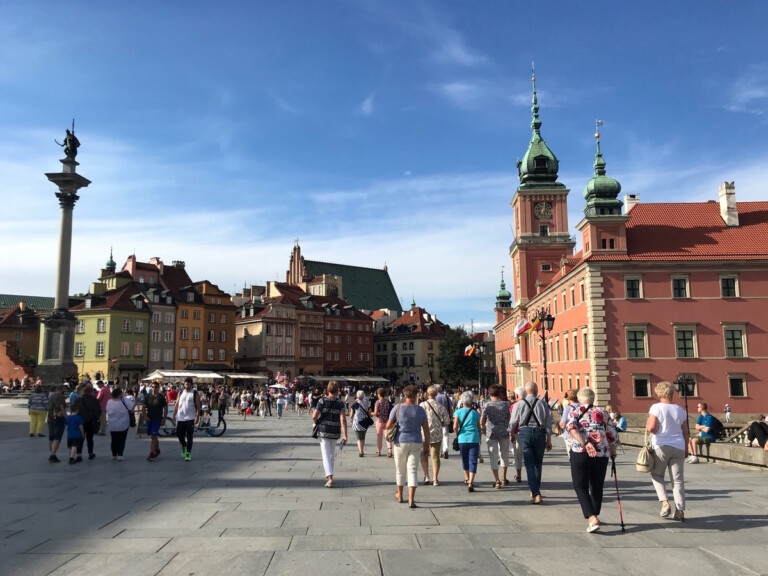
(602, 191)
(111, 264)
(503, 297)
(539, 166)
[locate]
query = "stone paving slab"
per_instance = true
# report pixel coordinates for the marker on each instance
(335, 563)
(232, 561)
(253, 501)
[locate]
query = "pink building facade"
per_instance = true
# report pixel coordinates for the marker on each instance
(657, 292)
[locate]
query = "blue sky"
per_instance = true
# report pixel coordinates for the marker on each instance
(374, 132)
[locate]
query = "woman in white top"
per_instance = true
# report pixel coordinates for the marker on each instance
(669, 438)
(118, 421)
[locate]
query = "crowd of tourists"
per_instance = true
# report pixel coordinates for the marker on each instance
(414, 428)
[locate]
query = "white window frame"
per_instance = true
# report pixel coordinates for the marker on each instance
(687, 286)
(99, 348)
(735, 278)
(741, 326)
(647, 378)
(692, 328)
(743, 378)
(639, 279)
(79, 349)
(638, 328)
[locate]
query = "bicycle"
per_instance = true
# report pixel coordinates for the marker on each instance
(204, 425)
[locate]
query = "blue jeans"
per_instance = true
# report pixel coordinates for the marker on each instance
(532, 443)
(469, 453)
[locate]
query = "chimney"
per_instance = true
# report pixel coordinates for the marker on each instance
(630, 201)
(178, 264)
(728, 210)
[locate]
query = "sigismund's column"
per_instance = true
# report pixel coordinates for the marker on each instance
(58, 339)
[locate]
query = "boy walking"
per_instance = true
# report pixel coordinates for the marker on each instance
(75, 435)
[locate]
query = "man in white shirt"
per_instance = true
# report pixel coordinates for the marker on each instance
(186, 416)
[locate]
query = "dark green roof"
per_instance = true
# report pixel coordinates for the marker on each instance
(364, 288)
(33, 302)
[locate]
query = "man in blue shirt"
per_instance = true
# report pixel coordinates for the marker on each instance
(705, 425)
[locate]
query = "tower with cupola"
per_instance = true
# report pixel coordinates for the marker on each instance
(603, 229)
(540, 216)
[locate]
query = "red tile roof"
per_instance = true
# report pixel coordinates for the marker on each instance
(416, 317)
(694, 231)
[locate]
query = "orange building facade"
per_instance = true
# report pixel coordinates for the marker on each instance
(657, 291)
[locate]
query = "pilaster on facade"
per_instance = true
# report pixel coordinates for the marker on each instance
(597, 336)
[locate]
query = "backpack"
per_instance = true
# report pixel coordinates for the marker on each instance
(718, 430)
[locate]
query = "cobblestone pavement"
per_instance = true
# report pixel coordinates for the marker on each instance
(253, 502)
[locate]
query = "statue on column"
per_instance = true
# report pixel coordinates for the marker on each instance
(70, 144)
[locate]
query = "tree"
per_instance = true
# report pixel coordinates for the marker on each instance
(455, 368)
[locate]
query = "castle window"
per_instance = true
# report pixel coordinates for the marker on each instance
(546, 267)
(543, 230)
(540, 162)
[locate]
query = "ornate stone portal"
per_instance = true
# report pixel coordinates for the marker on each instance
(58, 338)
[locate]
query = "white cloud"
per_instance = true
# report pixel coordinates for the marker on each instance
(450, 48)
(366, 106)
(750, 92)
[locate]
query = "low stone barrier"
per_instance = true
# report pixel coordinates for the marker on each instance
(732, 453)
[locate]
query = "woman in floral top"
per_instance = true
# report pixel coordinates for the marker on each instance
(381, 412)
(593, 441)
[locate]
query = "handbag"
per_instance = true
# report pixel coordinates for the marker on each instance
(392, 432)
(366, 422)
(456, 439)
(645, 459)
(131, 416)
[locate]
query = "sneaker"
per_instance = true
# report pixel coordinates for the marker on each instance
(693, 460)
(679, 516)
(79, 459)
(666, 511)
(184, 453)
(151, 457)
(71, 461)
(91, 456)
(52, 458)
(119, 458)
(187, 457)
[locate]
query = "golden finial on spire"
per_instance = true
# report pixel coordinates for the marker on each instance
(598, 123)
(533, 71)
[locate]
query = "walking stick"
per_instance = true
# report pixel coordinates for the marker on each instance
(618, 496)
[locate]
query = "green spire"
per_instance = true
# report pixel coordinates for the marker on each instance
(413, 301)
(111, 264)
(539, 166)
(602, 191)
(503, 297)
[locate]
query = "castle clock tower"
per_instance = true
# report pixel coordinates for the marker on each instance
(540, 215)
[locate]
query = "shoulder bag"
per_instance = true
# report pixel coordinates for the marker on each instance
(645, 459)
(456, 439)
(316, 427)
(131, 415)
(392, 432)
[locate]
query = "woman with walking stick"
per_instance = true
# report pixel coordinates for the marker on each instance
(593, 438)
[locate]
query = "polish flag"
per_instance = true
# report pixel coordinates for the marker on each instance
(522, 326)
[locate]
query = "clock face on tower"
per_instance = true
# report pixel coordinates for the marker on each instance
(543, 210)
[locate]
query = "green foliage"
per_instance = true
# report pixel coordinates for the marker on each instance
(455, 368)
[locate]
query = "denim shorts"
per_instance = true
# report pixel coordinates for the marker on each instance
(153, 427)
(56, 427)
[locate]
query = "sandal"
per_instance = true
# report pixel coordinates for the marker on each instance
(389, 453)
(504, 482)
(470, 488)
(427, 481)
(378, 452)
(497, 484)
(399, 498)
(466, 481)
(435, 483)
(518, 478)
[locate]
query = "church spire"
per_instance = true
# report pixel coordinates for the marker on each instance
(503, 297)
(539, 166)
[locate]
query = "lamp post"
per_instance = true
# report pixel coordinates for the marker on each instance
(686, 386)
(546, 323)
(480, 351)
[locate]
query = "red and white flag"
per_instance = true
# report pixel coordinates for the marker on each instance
(522, 326)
